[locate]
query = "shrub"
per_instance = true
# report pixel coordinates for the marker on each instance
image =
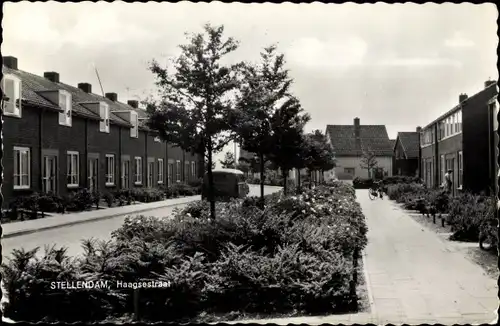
(48, 203)
(196, 185)
(401, 179)
(467, 214)
(80, 200)
(360, 183)
(96, 198)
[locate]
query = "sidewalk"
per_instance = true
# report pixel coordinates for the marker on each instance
(413, 277)
(59, 220)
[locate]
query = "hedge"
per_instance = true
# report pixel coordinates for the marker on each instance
(297, 254)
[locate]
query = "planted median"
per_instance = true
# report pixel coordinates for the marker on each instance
(297, 256)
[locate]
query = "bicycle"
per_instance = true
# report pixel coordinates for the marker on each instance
(376, 191)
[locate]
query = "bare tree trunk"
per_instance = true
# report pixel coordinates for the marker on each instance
(298, 182)
(310, 179)
(285, 179)
(210, 182)
(262, 178)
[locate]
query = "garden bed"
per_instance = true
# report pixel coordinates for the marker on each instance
(295, 257)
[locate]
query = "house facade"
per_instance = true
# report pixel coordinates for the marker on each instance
(349, 142)
(463, 139)
(59, 138)
(407, 153)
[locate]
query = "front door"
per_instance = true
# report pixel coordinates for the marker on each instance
(49, 174)
(125, 174)
(93, 174)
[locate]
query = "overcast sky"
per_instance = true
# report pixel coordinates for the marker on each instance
(399, 65)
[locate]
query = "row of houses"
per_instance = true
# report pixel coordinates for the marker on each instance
(58, 138)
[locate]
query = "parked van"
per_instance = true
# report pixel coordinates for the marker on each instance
(228, 183)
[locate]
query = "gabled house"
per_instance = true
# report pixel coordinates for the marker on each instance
(350, 141)
(407, 153)
(59, 138)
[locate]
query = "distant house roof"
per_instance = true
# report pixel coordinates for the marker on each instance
(372, 137)
(410, 142)
(393, 142)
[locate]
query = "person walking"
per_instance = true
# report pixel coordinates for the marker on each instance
(448, 182)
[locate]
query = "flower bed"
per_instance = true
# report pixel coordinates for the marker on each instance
(298, 254)
(466, 213)
(37, 205)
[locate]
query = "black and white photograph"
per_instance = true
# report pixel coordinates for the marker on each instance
(270, 163)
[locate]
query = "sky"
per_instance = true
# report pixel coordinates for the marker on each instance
(401, 65)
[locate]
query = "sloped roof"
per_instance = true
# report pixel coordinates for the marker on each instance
(34, 85)
(372, 137)
(410, 141)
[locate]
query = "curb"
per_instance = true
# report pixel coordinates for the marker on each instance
(71, 223)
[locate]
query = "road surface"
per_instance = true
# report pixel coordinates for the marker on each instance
(71, 236)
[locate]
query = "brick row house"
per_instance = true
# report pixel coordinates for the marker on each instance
(407, 153)
(350, 141)
(58, 138)
(464, 139)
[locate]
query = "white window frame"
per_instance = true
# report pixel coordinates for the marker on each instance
(161, 166)
(443, 168)
(125, 173)
(110, 170)
(104, 112)
(138, 170)
(18, 151)
(178, 172)
(193, 169)
(134, 120)
(65, 117)
(69, 169)
(14, 99)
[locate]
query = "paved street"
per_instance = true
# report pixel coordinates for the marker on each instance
(414, 275)
(71, 236)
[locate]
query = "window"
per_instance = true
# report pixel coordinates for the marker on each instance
(428, 136)
(22, 167)
(110, 170)
(349, 171)
(65, 104)
(460, 169)
(178, 171)
(138, 171)
(134, 120)
(160, 171)
(443, 167)
(193, 169)
(104, 114)
(170, 173)
(459, 120)
(151, 168)
(73, 168)
(125, 174)
(11, 87)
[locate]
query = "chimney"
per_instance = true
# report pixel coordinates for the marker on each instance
(486, 83)
(419, 129)
(133, 103)
(462, 98)
(52, 76)
(86, 87)
(356, 128)
(10, 62)
(112, 96)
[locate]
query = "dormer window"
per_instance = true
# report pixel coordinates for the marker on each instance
(11, 88)
(104, 114)
(134, 120)
(65, 105)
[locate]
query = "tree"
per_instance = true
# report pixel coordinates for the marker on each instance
(368, 161)
(206, 165)
(288, 138)
(265, 88)
(196, 97)
(228, 162)
(243, 166)
(319, 155)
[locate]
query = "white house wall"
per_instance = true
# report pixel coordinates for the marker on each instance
(353, 162)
